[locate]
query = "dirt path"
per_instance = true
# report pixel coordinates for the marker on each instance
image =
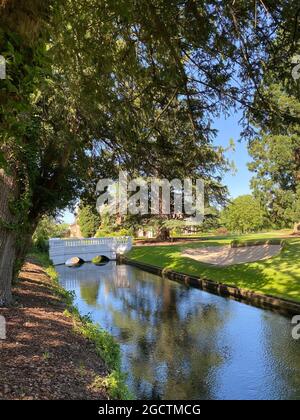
(42, 357)
(225, 255)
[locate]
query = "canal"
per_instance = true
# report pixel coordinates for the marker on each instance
(178, 342)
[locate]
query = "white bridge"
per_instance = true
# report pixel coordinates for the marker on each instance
(60, 250)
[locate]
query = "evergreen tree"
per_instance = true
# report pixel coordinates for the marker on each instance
(88, 220)
(275, 162)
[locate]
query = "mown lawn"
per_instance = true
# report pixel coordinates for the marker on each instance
(278, 276)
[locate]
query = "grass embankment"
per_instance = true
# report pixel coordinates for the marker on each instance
(105, 345)
(278, 276)
(242, 243)
(268, 234)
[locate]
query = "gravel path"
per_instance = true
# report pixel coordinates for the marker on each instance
(42, 357)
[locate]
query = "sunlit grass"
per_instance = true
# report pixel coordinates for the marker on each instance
(272, 234)
(278, 276)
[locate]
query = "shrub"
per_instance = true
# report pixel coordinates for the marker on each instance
(237, 243)
(46, 229)
(103, 233)
(222, 231)
(89, 220)
(125, 232)
(100, 260)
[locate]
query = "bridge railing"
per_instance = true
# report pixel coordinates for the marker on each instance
(118, 245)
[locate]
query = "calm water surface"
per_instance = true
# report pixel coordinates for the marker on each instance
(183, 343)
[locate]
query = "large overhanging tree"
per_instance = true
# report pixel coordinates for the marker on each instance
(91, 84)
(275, 149)
(276, 160)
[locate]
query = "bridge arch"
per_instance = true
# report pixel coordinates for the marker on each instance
(61, 250)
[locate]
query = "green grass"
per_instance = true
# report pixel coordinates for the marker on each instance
(278, 276)
(43, 259)
(238, 243)
(108, 350)
(272, 234)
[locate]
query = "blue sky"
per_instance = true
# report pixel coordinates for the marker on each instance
(68, 217)
(238, 183)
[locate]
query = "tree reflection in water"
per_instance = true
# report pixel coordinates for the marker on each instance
(182, 343)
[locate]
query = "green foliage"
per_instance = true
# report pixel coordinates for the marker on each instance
(48, 228)
(131, 85)
(109, 351)
(43, 259)
(222, 231)
(115, 385)
(276, 160)
(102, 233)
(243, 215)
(100, 260)
(275, 150)
(88, 220)
(106, 346)
(125, 232)
(211, 221)
(109, 227)
(237, 243)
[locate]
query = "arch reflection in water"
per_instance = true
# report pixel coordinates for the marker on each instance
(183, 343)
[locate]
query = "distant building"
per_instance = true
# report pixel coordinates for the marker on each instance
(145, 233)
(74, 231)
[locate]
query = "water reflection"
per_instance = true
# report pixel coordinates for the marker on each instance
(182, 343)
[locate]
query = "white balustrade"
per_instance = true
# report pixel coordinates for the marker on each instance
(60, 250)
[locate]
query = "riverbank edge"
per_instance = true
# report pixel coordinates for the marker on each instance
(263, 301)
(106, 346)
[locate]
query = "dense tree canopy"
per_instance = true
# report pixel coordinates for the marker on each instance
(275, 153)
(48, 228)
(275, 148)
(88, 220)
(243, 215)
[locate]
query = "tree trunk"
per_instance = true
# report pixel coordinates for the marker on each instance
(163, 234)
(14, 244)
(7, 264)
(22, 249)
(8, 239)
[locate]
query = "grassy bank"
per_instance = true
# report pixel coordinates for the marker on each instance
(278, 276)
(105, 345)
(267, 234)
